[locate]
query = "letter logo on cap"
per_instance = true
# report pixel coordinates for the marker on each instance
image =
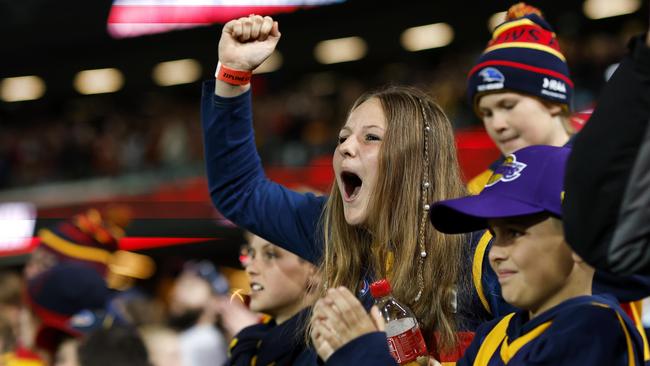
(508, 171)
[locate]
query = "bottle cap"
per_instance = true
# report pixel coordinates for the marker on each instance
(380, 288)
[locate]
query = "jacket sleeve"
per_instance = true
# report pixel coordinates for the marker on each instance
(239, 188)
(607, 200)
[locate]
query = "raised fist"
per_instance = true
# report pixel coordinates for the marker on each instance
(246, 42)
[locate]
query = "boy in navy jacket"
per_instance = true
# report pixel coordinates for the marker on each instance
(561, 322)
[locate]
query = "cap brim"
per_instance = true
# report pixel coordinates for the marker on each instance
(464, 215)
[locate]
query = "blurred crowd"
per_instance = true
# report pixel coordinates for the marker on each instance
(99, 136)
(81, 301)
(108, 136)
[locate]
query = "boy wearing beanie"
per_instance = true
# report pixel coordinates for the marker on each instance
(560, 321)
(520, 86)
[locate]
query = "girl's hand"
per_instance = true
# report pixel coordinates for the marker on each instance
(338, 318)
(246, 42)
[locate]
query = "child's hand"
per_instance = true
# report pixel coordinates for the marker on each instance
(339, 318)
(246, 42)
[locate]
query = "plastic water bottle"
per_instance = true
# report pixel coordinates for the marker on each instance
(405, 340)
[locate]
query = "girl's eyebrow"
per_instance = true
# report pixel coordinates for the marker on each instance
(372, 126)
(364, 128)
(346, 128)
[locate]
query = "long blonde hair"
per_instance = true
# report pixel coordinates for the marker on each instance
(396, 214)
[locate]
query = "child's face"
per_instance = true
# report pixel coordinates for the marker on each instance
(531, 260)
(278, 279)
(356, 159)
(515, 121)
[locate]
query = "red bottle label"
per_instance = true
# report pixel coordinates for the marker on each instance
(407, 346)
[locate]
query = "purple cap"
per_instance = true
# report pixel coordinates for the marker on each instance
(529, 181)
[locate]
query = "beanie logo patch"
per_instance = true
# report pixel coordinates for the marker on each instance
(492, 79)
(491, 75)
(508, 171)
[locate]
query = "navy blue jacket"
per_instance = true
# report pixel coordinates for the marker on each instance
(586, 330)
(269, 343)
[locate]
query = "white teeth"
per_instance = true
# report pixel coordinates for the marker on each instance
(355, 193)
(257, 287)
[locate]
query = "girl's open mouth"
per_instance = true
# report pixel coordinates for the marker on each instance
(352, 184)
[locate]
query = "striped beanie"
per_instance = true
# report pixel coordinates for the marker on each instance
(522, 56)
(89, 238)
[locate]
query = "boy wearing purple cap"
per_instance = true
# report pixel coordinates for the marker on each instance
(538, 273)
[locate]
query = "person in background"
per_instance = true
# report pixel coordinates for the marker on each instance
(192, 314)
(607, 202)
(113, 346)
(92, 239)
(89, 238)
(66, 301)
(163, 345)
(520, 87)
